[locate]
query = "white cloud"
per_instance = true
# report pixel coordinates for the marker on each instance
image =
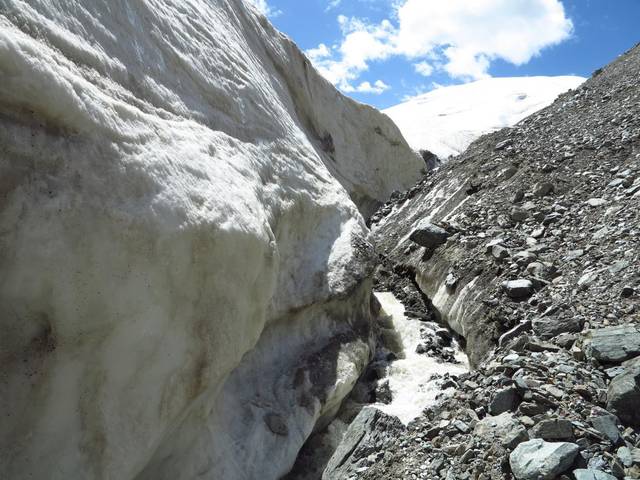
(423, 68)
(361, 44)
(377, 88)
(333, 4)
(460, 37)
(264, 8)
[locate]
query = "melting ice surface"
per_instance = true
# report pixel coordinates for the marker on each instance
(409, 377)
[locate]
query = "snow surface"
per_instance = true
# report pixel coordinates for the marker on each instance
(447, 120)
(181, 240)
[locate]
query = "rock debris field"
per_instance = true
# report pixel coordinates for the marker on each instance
(536, 229)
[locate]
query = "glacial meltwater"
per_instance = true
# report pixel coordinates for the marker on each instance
(411, 376)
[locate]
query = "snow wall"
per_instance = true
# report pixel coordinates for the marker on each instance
(185, 265)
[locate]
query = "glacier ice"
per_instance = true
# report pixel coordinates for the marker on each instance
(184, 257)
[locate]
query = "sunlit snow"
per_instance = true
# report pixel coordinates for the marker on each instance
(447, 119)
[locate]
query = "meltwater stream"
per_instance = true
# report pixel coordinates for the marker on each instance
(411, 381)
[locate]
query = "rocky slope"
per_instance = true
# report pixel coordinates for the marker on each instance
(527, 246)
(186, 271)
(446, 120)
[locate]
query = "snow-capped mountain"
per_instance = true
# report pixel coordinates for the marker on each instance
(446, 120)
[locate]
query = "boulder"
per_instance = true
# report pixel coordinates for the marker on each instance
(607, 426)
(504, 400)
(518, 289)
(623, 397)
(613, 344)
(504, 428)
(540, 460)
(542, 189)
(428, 235)
(553, 429)
(549, 327)
(585, 474)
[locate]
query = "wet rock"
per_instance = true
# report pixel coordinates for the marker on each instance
(540, 460)
(518, 289)
(613, 344)
(428, 235)
(383, 392)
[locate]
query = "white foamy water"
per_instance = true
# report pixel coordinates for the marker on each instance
(411, 389)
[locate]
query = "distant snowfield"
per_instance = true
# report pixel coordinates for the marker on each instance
(446, 120)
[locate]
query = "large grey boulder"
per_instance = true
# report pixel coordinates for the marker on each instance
(428, 235)
(553, 429)
(504, 428)
(518, 289)
(504, 400)
(540, 460)
(623, 395)
(613, 344)
(549, 327)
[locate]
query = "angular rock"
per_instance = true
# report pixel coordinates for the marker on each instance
(428, 235)
(371, 431)
(504, 400)
(518, 289)
(614, 344)
(553, 429)
(606, 425)
(623, 397)
(551, 327)
(542, 189)
(540, 460)
(503, 428)
(585, 474)
(499, 252)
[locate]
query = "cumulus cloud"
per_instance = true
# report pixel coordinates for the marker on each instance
(264, 8)
(377, 88)
(458, 37)
(423, 68)
(333, 4)
(361, 44)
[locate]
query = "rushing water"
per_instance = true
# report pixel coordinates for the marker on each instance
(410, 376)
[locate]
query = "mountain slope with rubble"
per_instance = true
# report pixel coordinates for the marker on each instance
(527, 245)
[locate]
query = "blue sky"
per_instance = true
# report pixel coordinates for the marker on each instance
(374, 50)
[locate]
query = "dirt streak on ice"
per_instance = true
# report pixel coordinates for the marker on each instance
(409, 376)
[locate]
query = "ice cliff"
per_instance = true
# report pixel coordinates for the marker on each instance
(185, 264)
